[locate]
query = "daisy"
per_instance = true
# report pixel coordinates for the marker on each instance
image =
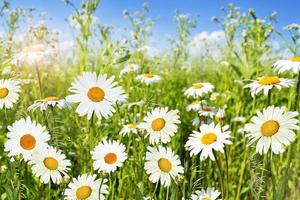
(49, 163)
(199, 89)
(196, 105)
(86, 187)
(148, 78)
(129, 128)
(208, 111)
(210, 138)
(9, 92)
(50, 101)
(162, 165)
(33, 55)
(95, 94)
(266, 83)
(129, 68)
(273, 128)
(161, 125)
(24, 137)
(208, 194)
(108, 155)
(292, 65)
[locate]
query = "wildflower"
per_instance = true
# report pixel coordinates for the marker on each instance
(86, 187)
(162, 165)
(292, 65)
(161, 125)
(24, 137)
(9, 92)
(148, 78)
(273, 128)
(95, 94)
(108, 155)
(211, 137)
(50, 101)
(266, 83)
(199, 89)
(208, 194)
(49, 163)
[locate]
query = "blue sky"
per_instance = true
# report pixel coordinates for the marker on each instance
(110, 11)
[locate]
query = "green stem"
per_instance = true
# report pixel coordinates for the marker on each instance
(167, 197)
(272, 176)
(243, 166)
(19, 179)
(49, 192)
(297, 91)
(220, 175)
(154, 190)
(91, 133)
(269, 97)
(102, 179)
(39, 80)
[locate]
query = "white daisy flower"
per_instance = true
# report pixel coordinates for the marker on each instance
(49, 163)
(208, 194)
(162, 165)
(292, 65)
(86, 187)
(161, 125)
(196, 105)
(24, 137)
(129, 128)
(9, 92)
(273, 128)
(266, 83)
(199, 89)
(108, 155)
(95, 94)
(148, 78)
(129, 68)
(210, 138)
(50, 101)
(35, 54)
(208, 111)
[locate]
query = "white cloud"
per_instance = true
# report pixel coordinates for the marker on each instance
(207, 43)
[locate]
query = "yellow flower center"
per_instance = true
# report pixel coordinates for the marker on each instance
(83, 192)
(295, 59)
(3, 93)
(131, 126)
(51, 98)
(195, 102)
(158, 124)
(164, 165)
(110, 158)
(27, 142)
(51, 163)
(206, 198)
(269, 128)
(198, 85)
(148, 75)
(96, 94)
(208, 138)
(269, 80)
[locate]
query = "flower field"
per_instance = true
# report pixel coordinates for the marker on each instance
(111, 119)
